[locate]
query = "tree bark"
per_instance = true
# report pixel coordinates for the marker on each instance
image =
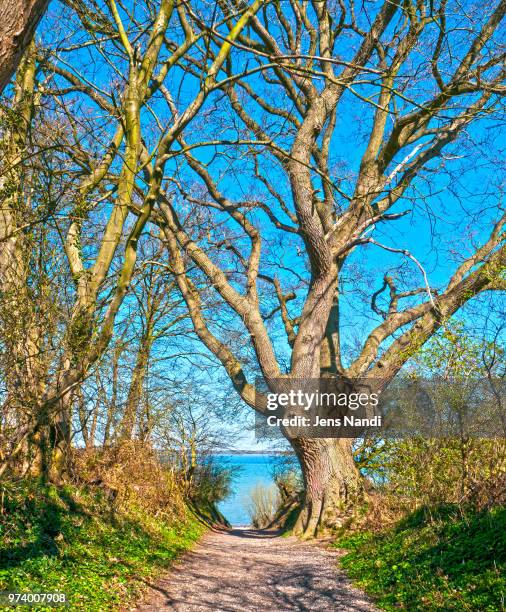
(112, 406)
(17, 25)
(332, 483)
(20, 327)
(136, 386)
(60, 436)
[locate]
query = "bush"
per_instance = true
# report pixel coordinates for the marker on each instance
(263, 504)
(289, 484)
(465, 377)
(132, 474)
(210, 482)
(441, 470)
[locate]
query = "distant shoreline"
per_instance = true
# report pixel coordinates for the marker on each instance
(252, 452)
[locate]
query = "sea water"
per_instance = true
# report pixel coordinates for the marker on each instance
(248, 471)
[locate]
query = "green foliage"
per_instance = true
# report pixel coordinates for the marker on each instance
(456, 355)
(210, 482)
(72, 540)
(463, 466)
(443, 559)
(440, 470)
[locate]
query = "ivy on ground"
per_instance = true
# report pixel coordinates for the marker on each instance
(73, 540)
(434, 559)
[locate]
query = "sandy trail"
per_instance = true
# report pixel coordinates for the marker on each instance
(251, 570)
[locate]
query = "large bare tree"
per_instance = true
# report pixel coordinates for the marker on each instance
(339, 129)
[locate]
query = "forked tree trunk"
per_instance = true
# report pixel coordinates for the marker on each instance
(333, 485)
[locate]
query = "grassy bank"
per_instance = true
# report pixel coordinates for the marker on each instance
(74, 540)
(442, 559)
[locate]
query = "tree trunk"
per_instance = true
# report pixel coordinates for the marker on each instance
(83, 417)
(128, 421)
(21, 328)
(112, 406)
(332, 483)
(17, 25)
(56, 444)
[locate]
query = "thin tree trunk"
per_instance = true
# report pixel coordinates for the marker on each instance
(60, 435)
(113, 404)
(83, 417)
(93, 427)
(136, 385)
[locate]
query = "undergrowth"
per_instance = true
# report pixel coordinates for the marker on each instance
(75, 540)
(433, 559)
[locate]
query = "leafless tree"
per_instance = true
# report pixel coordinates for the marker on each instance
(117, 145)
(413, 79)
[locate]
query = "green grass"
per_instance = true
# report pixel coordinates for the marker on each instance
(71, 540)
(433, 560)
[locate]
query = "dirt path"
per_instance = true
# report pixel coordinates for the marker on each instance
(249, 570)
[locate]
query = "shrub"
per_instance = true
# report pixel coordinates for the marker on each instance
(263, 504)
(132, 474)
(210, 482)
(289, 484)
